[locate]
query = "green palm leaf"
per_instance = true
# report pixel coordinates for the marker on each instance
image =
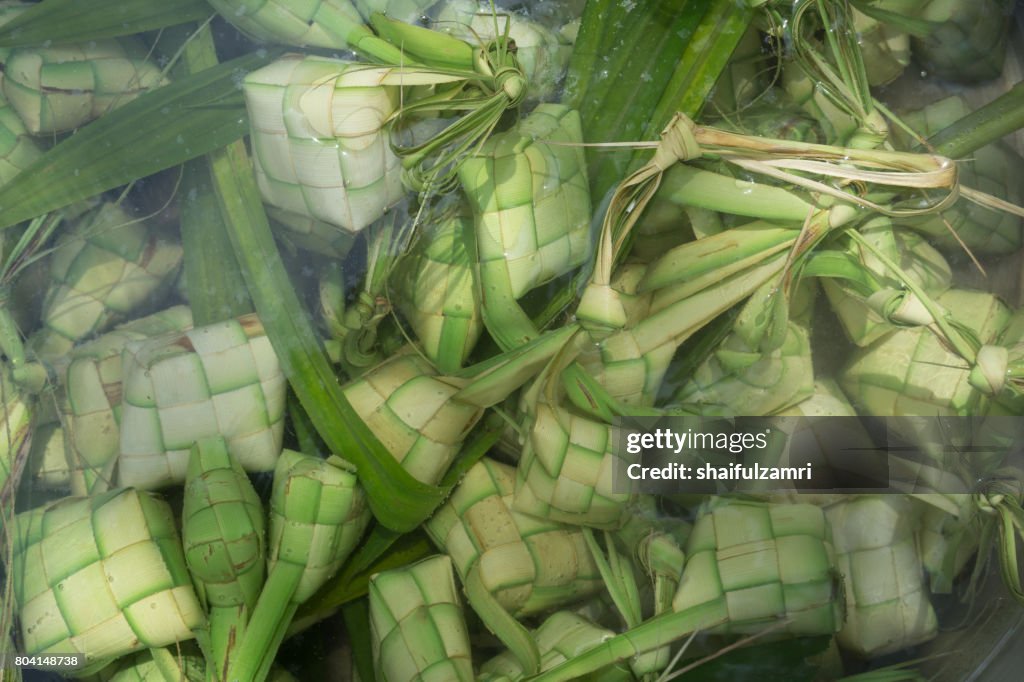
(73, 21)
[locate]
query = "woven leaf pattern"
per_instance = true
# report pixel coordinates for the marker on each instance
(566, 469)
(317, 514)
(530, 198)
(103, 576)
(103, 271)
(887, 606)
(222, 380)
(417, 624)
(17, 149)
(562, 636)
(62, 87)
(91, 402)
(910, 372)
(528, 564)
(413, 413)
(436, 290)
(771, 562)
(317, 141)
(314, 23)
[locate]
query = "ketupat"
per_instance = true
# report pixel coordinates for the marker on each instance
(15, 426)
(46, 465)
(320, 23)
(566, 469)
(330, 23)
(631, 362)
(311, 234)
(102, 576)
(319, 144)
(878, 303)
(318, 512)
(59, 88)
(531, 207)
(561, 637)
(567, 462)
(911, 372)
(91, 399)
(753, 566)
(225, 544)
(524, 564)
(436, 289)
(772, 562)
(423, 418)
(541, 52)
(967, 40)
(103, 270)
(17, 149)
(419, 631)
(223, 380)
(9, 10)
(749, 376)
(887, 605)
(884, 48)
(989, 169)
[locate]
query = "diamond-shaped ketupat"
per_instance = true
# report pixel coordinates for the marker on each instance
(772, 563)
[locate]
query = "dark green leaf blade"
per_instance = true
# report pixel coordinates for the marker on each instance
(638, 48)
(159, 130)
(357, 625)
(673, 49)
(707, 53)
(791, 660)
(75, 21)
(399, 501)
(216, 290)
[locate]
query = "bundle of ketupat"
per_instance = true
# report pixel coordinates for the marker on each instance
(451, 222)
